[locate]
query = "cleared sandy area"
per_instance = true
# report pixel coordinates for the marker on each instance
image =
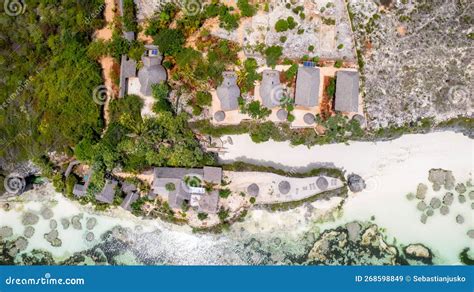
(148, 101)
(301, 188)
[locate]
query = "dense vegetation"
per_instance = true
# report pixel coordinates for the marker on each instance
(46, 99)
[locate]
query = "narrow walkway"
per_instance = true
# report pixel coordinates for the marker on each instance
(107, 62)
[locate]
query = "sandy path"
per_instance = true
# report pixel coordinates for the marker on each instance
(107, 62)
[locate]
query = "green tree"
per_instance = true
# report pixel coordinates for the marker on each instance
(273, 54)
(246, 9)
(281, 25)
(170, 41)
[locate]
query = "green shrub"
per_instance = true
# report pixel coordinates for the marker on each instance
(257, 111)
(202, 216)
(283, 39)
(203, 98)
(311, 48)
(340, 46)
(272, 55)
(224, 193)
(170, 187)
(281, 25)
(291, 22)
(252, 200)
(246, 9)
(338, 64)
(223, 214)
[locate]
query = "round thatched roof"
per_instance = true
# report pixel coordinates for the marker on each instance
(322, 183)
(253, 190)
(282, 114)
(284, 187)
(309, 119)
(360, 119)
(219, 116)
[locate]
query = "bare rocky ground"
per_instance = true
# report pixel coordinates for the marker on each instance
(418, 58)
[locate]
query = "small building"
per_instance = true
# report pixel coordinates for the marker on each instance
(128, 69)
(108, 192)
(152, 71)
(307, 86)
(79, 190)
(174, 182)
(208, 202)
(228, 92)
(347, 91)
(129, 200)
(271, 91)
(212, 174)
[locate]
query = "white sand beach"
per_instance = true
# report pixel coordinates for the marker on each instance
(391, 169)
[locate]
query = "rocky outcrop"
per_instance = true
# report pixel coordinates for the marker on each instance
(29, 218)
(359, 243)
(418, 252)
(441, 177)
(355, 183)
(91, 223)
(46, 213)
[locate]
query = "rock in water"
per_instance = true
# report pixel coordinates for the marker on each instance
(470, 233)
(423, 218)
(435, 203)
(46, 213)
(65, 223)
(462, 199)
(421, 191)
(460, 188)
(417, 251)
(90, 236)
(76, 222)
(460, 219)
(5, 232)
(448, 199)
(29, 231)
(29, 219)
(353, 230)
(90, 224)
(355, 183)
(471, 195)
(429, 212)
(444, 210)
(421, 206)
(53, 224)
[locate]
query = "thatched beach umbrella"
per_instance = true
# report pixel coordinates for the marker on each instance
(284, 187)
(360, 119)
(309, 119)
(253, 190)
(282, 114)
(219, 116)
(322, 183)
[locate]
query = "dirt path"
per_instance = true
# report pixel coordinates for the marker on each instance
(107, 62)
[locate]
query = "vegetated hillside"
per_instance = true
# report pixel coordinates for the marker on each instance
(47, 77)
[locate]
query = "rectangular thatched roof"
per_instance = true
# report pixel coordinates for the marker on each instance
(347, 91)
(307, 86)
